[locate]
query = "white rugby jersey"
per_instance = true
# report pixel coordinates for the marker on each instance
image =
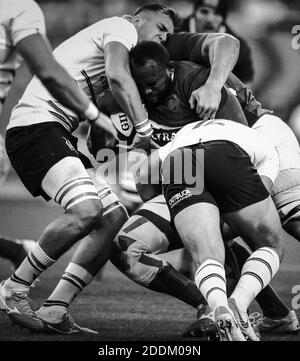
(18, 19)
(283, 139)
(82, 55)
(262, 153)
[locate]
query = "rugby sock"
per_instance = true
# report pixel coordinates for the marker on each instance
(73, 281)
(268, 300)
(171, 282)
(211, 281)
(33, 265)
(257, 273)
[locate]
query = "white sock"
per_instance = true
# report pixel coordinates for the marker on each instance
(36, 262)
(73, 281)
(211, 281)
(257, 273)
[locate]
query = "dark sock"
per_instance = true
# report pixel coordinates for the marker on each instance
(268, 300)
(12, 251)
(173, 283)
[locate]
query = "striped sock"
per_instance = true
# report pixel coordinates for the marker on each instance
(33, 265)
(73, 281)
(211, 281)
(257, 273)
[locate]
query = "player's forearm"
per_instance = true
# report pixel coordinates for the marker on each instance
(223, 52)
(63, 88)
(126, 93)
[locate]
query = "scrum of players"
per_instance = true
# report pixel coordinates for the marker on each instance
(186, 116)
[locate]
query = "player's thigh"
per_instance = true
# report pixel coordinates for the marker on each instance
(140, 235)
(198, 226)
(258, 224)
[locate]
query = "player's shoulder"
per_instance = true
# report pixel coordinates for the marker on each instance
(17, 7)
(113, 24)
(189, 70)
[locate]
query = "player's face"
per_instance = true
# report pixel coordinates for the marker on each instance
(154, 86)
(207, 18)
(154, 26)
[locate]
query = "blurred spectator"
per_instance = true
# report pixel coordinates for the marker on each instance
(210, 16)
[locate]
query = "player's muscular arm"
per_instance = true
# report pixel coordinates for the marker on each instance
(41, 62)
(125, 90)
(222, 51)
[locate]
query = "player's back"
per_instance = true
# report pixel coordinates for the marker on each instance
(255, 144)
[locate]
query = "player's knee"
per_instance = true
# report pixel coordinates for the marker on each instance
(269, 236)
(134, 260)
(87, 214)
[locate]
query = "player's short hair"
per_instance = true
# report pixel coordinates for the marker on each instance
(222, 8)
(149, 50)
(158, 7)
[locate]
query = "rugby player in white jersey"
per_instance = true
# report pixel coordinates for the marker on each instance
(44, 154)
(23, 35)
(234, 169)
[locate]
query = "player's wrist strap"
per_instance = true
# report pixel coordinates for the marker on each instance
(144, 128)
(91, 113)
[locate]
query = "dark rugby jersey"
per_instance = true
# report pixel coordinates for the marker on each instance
(187, 46)
(175, 112)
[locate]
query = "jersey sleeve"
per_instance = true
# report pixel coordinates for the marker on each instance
(252, 108)
(187, 46)
(121, 31)
(190, 77)
(27, 19)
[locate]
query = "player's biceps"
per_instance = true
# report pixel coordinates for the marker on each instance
(116, 62)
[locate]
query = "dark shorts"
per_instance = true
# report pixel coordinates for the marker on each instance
(36, 148)
(229, 179)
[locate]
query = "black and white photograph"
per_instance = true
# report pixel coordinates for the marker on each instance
(149, 175)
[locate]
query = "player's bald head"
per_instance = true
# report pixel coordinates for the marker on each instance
(149, 55)
(150, 68)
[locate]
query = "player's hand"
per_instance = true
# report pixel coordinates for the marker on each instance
(206, 101)
(141, 142)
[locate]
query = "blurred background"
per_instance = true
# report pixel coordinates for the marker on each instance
(265, 25)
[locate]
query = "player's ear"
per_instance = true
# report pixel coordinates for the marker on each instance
(136, 20)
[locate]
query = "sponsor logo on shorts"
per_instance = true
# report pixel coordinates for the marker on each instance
(179, 197)
(70, 145)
